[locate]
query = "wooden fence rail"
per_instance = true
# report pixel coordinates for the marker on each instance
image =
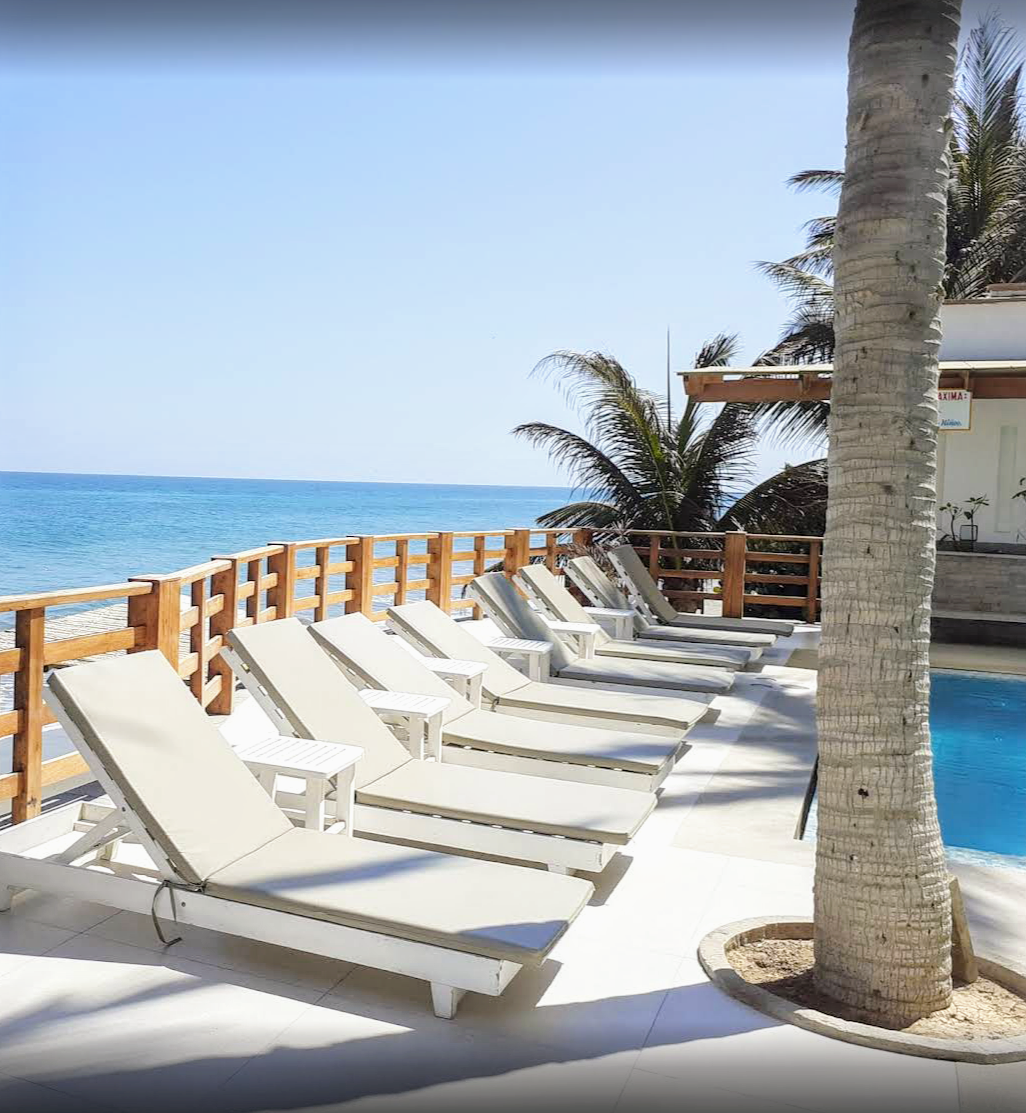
(187, 614)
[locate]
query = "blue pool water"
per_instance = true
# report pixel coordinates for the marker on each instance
(978, 728)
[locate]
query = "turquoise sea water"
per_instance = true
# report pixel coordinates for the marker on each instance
(61, 531)
(978, 730)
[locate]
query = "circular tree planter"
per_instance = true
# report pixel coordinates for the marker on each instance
(713, 953)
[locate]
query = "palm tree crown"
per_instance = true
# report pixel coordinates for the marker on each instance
(637, 467)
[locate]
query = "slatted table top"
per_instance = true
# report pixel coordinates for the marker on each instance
(302, 757)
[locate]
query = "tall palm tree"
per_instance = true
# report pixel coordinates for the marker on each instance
(638, 467)
(882, 910)
(986, 215)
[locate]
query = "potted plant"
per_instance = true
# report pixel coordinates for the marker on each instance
(970, 531)
(955, 512)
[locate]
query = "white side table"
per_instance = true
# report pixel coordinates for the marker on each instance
(535, 654)
(327, 768)
(620, 622)
(464, 676)
(419, 716)
(580, 634)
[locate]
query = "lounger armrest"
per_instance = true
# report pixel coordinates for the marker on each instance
(616, 622)
(464, 676)
(535, 654)
(581, 634)
(418, 717)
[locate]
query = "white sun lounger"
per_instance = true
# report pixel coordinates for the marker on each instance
(508, 609)
(612, 756)
(658, 611)
(554, 598)
(561, 825)
(429, 629)
(223, 856)
(596, 585)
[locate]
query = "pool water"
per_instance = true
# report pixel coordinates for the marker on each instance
(978, 728)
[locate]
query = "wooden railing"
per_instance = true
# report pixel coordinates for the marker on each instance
(742, 565)
(187, 615)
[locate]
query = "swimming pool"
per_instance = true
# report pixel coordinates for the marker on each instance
(978, 727)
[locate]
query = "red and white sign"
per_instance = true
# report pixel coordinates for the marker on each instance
(956, 408)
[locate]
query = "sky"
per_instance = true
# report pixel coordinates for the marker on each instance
(296, 248)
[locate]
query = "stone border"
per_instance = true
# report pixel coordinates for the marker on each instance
(712, 953)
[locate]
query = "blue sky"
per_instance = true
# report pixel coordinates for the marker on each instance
(344, 265)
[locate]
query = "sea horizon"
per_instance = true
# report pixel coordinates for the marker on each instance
(76, 529)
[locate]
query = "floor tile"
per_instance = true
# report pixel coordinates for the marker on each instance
(654, 1093)
(61, 912)
(703, 1037)
(339, 1053)
(115, 1025)
(997, 1088)
(21, 939)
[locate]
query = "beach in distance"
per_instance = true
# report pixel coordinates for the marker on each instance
(59, 530)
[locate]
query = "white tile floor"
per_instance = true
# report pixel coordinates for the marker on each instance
(95, 1015)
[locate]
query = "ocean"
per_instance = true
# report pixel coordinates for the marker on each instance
(59, 531)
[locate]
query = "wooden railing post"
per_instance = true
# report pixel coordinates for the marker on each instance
(812, 598)
(224, 583)
(654, 542)
(735, 545)
(360, 581)
(160, 613)
(584, 538)
(27, 756)
(283, 594)
(439, 589)
(518, 552)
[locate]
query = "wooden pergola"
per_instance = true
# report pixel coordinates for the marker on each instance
(810, 382)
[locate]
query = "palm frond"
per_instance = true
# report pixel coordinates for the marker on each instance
(721, 351)
(792, 501)
(830, 180)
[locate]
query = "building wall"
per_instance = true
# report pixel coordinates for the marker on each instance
(988, 459)
(993, 328)
(986, 582)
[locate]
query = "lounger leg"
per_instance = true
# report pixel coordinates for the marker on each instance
(565, 870)
(445, 1000)
(315, 803)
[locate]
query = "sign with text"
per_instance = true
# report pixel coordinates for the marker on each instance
(956, 407)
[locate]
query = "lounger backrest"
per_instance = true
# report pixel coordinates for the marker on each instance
(555, 598)
(313, 695)
(186, 788)
(381, 661)
(627, 562)
(434, 632)
(593, 580)
(509, 610)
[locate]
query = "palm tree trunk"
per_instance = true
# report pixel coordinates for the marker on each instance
(882, 910)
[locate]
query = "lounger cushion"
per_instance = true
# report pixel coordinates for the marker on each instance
(511, 613)
(440, 635)
(510, 734)
(650, 674)
(630, 566)
(627, 561)
(601, 590)
(504, 912)
(575, 811)
(776, 626)
(196, 799)
(624, 707)
(720, 657)
(310, 691)
(382, 662)
(553, 596)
